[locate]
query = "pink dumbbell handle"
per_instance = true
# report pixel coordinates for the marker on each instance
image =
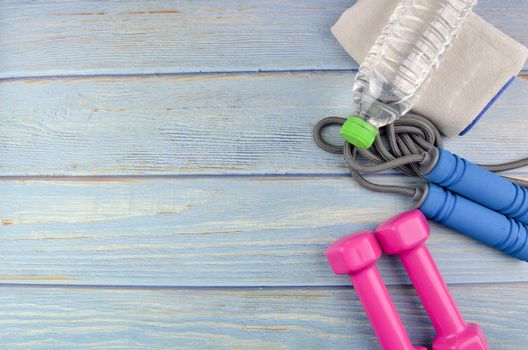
(433, 291)
(380, 310)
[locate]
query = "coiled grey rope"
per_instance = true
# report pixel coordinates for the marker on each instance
(401, 145)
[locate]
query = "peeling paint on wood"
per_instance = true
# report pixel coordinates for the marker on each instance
(211, 232)
(323, 318)
(112, 95)
(235, 124)
(164, 36)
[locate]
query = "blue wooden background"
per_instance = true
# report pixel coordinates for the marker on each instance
(159, 187)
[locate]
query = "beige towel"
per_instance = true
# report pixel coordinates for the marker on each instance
(477, 68)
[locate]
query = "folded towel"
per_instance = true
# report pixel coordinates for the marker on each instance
(478, 67)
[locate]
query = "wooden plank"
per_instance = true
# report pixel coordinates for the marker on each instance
(209, 232)
(61, 318)
(210, 124)
(62, 37)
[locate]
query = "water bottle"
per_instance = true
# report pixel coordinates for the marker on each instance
(401, 62)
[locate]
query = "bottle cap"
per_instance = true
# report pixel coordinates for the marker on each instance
(358, 132)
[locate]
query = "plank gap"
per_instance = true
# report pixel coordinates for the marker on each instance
(522, 75)
(239, 288)
(518, 173)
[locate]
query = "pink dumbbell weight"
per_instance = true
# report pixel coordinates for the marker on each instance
(405, 235)
(356, 256)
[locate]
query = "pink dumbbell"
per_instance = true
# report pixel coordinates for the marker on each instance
(356, 256)
(405, 235)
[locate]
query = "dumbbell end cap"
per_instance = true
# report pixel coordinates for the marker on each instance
(353, 253)
(403, 232)
(472, 338)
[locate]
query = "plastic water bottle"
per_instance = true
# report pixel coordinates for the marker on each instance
(401, 62)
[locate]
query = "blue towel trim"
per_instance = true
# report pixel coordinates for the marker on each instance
(488, 106)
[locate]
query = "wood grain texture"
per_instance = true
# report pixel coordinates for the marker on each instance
(62, 37)
(225, 231)
(205, 124)
(117, 262)
(57, 318)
